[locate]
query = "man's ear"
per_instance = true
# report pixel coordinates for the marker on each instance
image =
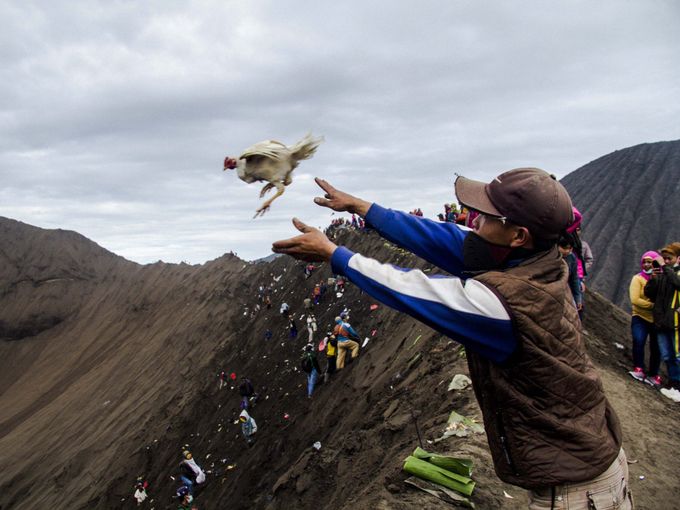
(522, 238)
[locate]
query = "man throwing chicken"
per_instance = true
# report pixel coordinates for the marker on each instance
(549, 425)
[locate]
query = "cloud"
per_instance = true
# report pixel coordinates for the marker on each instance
(116, 117)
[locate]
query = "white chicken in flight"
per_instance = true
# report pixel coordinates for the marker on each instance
(273, 162)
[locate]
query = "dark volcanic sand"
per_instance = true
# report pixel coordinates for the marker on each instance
(110, 367)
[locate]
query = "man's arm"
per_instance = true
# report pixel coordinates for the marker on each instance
(466, 311)
(439, 243)
(671, 275)
(651, 287)
(636, 292)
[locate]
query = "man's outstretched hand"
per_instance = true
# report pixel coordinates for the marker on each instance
(339, 200)
(312, 245)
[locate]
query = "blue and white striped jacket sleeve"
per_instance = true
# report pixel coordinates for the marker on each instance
(464, 310)
(437, 242)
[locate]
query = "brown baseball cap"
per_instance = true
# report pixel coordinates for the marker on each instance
(528, 197)
(672, 249)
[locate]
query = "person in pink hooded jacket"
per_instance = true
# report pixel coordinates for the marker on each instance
(642, 324)
(582, 251)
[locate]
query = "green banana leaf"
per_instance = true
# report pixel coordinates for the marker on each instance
(456, 465)
(435, 474)
(439, 491)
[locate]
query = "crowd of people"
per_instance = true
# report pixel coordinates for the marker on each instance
(354, 222)
(340, 337)
(655, 299)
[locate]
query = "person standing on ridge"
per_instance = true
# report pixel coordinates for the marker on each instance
(582, 251)
(663, 288)
(642, 324)
(567, 251)
(331, 355)
(549, 425)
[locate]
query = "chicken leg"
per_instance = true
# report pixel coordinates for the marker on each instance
(265, 207)
(266, 189)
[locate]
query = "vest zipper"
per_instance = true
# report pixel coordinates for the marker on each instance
(504, 442)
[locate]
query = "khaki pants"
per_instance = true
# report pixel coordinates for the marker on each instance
(342, 349)
(608, 491)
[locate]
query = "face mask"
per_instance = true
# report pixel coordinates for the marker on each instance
(647, 271)
(481, 255)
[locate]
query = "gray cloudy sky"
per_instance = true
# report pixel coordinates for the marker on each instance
(116, 116)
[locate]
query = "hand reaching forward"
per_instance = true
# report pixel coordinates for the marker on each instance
(312, 245)
(339, 200)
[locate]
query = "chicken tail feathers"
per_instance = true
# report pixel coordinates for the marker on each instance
(306, 147)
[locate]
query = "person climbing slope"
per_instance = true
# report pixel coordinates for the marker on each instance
(293, 331)
(311, 327)
(248, 427)
(190, 473)
(344, 333)
(186, 500)
(140, 492)
(284, 309)
(247, 392)
(310, 366)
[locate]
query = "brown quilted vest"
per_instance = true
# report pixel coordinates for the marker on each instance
(547, 419)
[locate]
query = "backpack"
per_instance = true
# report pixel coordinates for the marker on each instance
(341, 331)
(307, 365)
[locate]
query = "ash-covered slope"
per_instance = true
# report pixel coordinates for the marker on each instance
(129, 376)
(630, 200)
(94, 348)
(45, 275)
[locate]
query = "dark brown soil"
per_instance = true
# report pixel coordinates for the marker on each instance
(110, 368)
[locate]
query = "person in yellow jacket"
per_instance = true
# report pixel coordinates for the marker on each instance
(642, 324)
(331, 353)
